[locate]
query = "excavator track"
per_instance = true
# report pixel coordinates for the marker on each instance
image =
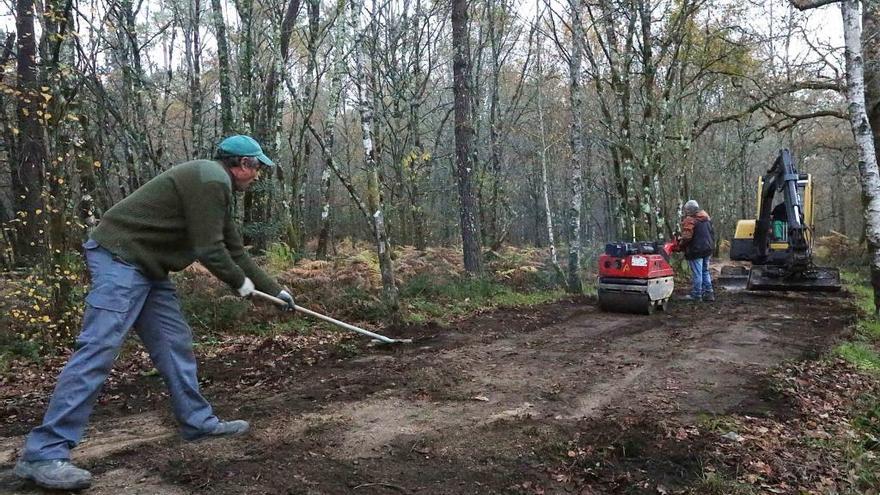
(814, 279)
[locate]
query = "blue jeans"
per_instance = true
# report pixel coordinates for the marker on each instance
(121, 297)
(702, 280)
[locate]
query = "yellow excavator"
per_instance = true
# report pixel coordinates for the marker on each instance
(779, 241)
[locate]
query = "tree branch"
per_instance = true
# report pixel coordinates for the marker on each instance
(795, 118)
(767, 102)
(810, 4)
(344, 179)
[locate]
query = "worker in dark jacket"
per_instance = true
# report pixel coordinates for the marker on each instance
(180, 216)
(697, 243)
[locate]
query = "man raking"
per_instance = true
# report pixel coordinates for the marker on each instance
(178, 217)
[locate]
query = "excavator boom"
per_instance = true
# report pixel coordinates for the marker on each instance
(778, 243)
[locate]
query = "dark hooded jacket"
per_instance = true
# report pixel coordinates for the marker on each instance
(697, 236)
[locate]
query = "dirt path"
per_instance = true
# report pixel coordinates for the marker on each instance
(490, 406)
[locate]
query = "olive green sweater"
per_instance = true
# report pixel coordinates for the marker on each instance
(182, 215)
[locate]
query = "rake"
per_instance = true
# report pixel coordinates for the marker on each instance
(375, 336)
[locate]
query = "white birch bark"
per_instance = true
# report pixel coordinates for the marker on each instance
(545, 188)
(374, 200)
(858, 117)
(340, 42)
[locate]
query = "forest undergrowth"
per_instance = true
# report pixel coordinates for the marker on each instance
(433, 289)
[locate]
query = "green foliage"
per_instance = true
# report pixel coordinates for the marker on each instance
(862, 351)
(509, 298)
(869, 421)
(204, 310)
(863, 454)
(426, 298)
(863, 295)
(590, 287)
(870, 329)
(347, 348)
(717, 423)
(362, 303)
(861, 354)
(369, 258)
(279, 257)
(466, 287)
(12, 347)
(42, 312)
(716, 484)
(282, 326)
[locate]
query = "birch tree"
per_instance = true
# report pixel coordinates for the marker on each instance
(871, 47)
(542, 156)
(868, 171)
(340, 45)
(374, 197)
(861, 129)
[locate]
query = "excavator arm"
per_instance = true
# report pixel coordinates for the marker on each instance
(776, 264)
(783, 178)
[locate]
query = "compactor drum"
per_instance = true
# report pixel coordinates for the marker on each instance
(635, 277)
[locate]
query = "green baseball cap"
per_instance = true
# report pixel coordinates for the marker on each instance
(241, 145)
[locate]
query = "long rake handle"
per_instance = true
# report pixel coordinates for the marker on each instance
(336, 322)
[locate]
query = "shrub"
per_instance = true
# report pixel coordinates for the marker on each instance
(279, 256)
(44, 309)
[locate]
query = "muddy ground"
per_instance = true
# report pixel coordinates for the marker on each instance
(504, 402)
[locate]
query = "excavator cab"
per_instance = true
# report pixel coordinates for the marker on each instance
(779, 241)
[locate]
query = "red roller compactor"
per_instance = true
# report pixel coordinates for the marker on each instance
(635, 277)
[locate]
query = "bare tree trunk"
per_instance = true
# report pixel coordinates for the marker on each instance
(245, 9)
(193, 48)
(374, 198)
(422, 159)
(492, 209)
(464, 135)
(226, 98)
(30, 147)
(261, 211)
(577, 150)
(340, 40)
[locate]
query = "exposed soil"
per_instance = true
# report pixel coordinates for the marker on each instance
(497, 404)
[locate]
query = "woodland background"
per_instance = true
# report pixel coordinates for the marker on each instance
(421, 123)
